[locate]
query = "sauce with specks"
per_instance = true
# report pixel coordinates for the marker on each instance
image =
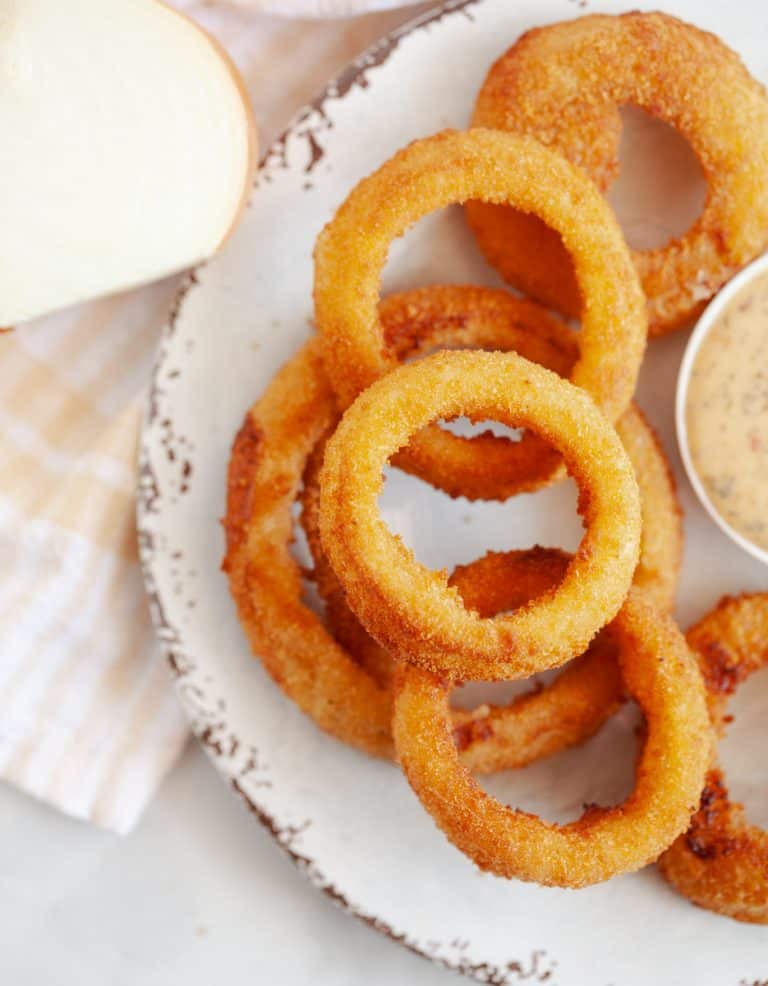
(727, 412)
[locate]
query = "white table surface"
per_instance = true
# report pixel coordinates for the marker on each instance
(197, 894)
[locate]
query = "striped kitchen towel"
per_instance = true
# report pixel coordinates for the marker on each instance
(88, 718)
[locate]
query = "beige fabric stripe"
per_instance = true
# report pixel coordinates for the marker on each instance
(17, 602)
(93, 321)
(108, 691)
(145, 708)
(30, 660)
(83, 503)
(39, 397)
(120, 441)
(133, 350)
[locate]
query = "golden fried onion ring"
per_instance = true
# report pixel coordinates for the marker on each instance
(410, 609)
(453, 167)
(564, 84)
(721, 862)
(587, 692)
(661, 674)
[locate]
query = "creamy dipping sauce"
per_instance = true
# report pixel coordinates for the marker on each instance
(727, 412)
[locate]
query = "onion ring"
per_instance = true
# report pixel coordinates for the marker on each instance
(415, 323)
(452, 167)
(721, 863)
(564, 84)
(661, 673)
(411, 610)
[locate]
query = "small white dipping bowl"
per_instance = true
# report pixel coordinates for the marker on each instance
(708, 318)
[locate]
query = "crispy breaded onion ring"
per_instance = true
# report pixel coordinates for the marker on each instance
(721, 863)
(415, 323)
(410, 609)
(491, 737)
(564, 83)
(453, 167)
(661, 674)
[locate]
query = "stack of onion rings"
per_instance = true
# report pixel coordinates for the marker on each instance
(453, 167)
(326, 681)
(377, 670)
(410, 609)
(580, 699)
(564, 84)
(456, 315)
(661, 674)
(721, 863)
(268, 457)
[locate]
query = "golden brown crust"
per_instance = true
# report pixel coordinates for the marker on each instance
(453, 167)
(456, 315)
(564, 84)
(411, 610)
(721, 863)
(546, 720)
(660, 672)
(661, 543)
(265, 470)
(268, 455)
(587, 692)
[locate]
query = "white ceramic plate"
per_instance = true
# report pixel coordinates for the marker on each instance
(350, 823)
